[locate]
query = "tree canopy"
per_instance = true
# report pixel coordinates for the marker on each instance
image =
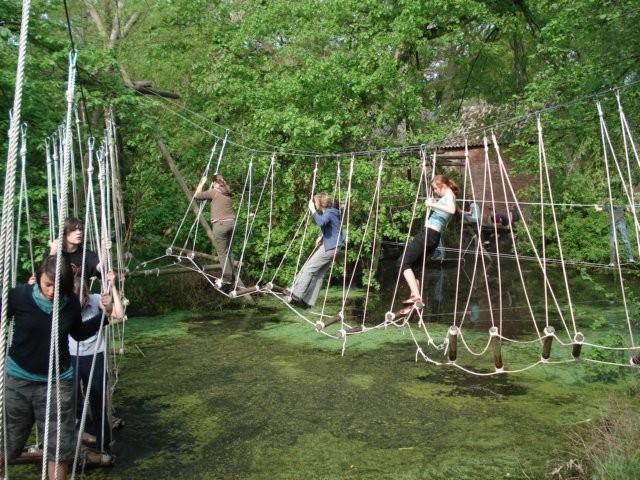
(325, 76)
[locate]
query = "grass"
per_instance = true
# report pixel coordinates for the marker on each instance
(609, 447)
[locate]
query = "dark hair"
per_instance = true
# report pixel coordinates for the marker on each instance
(224, 188)
(71, 224)
(81, 294)
(66, 274)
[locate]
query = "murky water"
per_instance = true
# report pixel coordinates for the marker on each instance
(256, 394)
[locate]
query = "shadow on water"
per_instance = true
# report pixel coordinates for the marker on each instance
(255, 393)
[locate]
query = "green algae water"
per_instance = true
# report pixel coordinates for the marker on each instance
(255, 393)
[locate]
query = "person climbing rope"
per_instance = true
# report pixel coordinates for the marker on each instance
(222, 221)
(97, 428)
(427, 240)
(308, 282)
(72, 250)
(27, 364)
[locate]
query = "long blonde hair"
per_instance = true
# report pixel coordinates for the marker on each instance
(323, 201)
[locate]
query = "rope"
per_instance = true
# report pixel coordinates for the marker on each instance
(246, 226)
(607, 141)
(272, 166)
(247, 181)
(627, 139)
(306, 220)
(515, 246)
(6, 235)
(162, 102)
(54, 353)
(376, 202)
(423, 175)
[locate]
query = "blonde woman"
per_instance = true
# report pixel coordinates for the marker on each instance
(307, 284)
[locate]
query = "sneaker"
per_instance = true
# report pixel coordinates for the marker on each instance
(611, 264)
(298, 302)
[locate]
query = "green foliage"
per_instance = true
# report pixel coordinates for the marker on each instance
(331, 76)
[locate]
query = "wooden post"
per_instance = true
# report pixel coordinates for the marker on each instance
(171, 270)
(184, 187)
(244, 291)
(271, 287)
(343, 332)
(322, 324)
(496, 346)
(578, 340)
(549, 332)
(453, 343)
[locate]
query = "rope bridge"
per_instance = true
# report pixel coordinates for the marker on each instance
(333, 320)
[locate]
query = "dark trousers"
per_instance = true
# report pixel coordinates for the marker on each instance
(94, 422)
(424, 243)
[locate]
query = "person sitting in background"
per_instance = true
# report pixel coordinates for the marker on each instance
(499, 219)
(472, 215)
(97, 426)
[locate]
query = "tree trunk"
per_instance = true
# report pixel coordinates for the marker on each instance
(185, 188)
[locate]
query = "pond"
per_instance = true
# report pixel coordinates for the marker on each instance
(255, 393)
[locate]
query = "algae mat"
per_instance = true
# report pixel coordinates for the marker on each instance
(256, 394)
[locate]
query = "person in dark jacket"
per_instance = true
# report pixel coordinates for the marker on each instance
(308, 282)
(27, 364)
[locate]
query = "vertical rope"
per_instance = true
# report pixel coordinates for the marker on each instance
(307, 220)
(246, 226)
(525, 291)
(224, 144)
(423, 176)
(204, 175)
(604, 135)
(627, 138)
(52, 218)
(429, 194)
(376, 206)
(542, 226)
(272, 167)
(54, 353)
(6, 236)
(464, 198)
(487, 171)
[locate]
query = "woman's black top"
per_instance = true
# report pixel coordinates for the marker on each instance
(32, 330)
